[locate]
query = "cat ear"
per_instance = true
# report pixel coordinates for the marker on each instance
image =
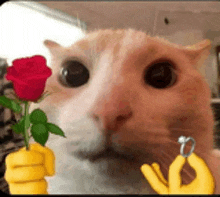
(54, 47)
(199, 52)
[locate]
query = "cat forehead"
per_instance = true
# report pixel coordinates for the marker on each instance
(127, 39)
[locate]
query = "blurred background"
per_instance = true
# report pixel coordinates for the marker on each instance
(24, 25)
(180, 22)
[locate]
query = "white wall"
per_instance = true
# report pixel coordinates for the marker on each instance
(190, 21)
(23, 30)
(189, 27)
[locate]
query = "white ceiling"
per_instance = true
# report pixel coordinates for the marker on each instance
(137, 14)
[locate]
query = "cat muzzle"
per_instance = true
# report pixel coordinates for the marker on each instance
(111, 153)
(107, 153)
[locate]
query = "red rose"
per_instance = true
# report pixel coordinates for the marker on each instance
(29, 76)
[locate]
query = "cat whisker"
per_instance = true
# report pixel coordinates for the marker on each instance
(61, 168)
(180, 129)
(70, 167)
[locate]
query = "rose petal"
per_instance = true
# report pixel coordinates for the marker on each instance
(18, 63)
(39, 59)
(28, 93)
(29, 77)
(10, 73)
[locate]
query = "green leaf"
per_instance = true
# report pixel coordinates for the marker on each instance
(19, 127)
(40, 133)
(38, 116)
(5, 102)
(9, 103)
(15, 106)
(54, 129)
(16, 128)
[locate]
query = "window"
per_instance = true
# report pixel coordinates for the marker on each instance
(25, 25)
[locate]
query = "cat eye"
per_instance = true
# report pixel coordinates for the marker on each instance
(73, 74)
(160, 75)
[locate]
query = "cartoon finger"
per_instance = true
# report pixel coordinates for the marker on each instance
(204, 181)
(23, 158)
(153, 179)
(24, 174)
(174, 174)
(20, 164)
(48, 155)
(156, 168)
(38, 187)
(199, 166)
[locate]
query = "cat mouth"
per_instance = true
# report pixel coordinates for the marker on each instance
(111, 153)
(108, 153)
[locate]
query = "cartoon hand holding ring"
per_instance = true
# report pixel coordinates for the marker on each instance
(203, 183)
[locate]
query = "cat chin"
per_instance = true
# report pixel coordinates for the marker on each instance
(106, 176)
(114, 167)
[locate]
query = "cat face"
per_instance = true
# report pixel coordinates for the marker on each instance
(125, 96)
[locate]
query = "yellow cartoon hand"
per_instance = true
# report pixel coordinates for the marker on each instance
(202, 184)
(155, 178)
(25, 170)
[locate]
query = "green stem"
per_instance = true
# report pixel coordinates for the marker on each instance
(26, 120)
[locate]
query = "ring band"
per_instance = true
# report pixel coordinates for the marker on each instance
(183, 140)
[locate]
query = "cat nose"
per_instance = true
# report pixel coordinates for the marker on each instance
(111, 116)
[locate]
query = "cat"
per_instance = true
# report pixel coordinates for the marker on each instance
(122, 99)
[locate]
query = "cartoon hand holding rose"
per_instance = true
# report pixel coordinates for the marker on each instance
(26, 168)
